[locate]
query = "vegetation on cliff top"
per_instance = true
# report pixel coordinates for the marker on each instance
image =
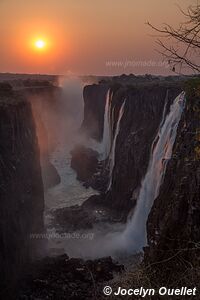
(192, 88)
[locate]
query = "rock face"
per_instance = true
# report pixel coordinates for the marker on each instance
(84, 161)
(173, 224)
(174, 220)
(141, 119)
(89, 169)
(143, 112)
(93, 211)
(44, 100)
(94, 103)
(50, 175)
(73, 218)
(21, 189)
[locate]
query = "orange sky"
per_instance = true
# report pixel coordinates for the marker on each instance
(82, 35)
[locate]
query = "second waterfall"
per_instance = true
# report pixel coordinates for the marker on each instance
(134, 237)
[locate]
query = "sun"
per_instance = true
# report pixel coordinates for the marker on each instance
(40, 44)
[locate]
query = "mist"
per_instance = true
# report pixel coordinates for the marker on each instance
(62, 122)
(119, 240)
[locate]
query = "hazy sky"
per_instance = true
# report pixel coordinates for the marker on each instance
(84, 36)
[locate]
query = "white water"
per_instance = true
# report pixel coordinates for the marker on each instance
(66, 122)
(106, 143)
(164, 110)
(134, 236)
(112, 153)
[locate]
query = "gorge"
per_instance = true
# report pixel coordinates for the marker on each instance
(137, 141)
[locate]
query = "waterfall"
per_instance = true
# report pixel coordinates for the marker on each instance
(135, 236)
(106, 143)
(127, 239)
(112, 153)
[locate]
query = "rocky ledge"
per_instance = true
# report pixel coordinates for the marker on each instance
(92, 212)
(89, 169)
(85, 162)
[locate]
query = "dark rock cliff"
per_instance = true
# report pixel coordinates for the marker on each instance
(21, 188)
(142, 115)
(45, 103)
(174, 222)
(94, 104)
(50, 175)
(84, 161)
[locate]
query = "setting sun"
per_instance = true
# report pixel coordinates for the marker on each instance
(40, 44)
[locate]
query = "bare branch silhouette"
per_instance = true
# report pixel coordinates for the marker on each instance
(181, 46)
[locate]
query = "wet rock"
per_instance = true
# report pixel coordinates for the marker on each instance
(141, 120)
(93, 211)
(85, 162)
(133, 145)
(100, 179)
(73, 218)
(94, 103)
(173, 224)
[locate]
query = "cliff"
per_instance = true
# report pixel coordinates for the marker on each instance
(45, 102)
(94, 103)
(21, 188)
(138, 128)
(143, 110)
(173, 224)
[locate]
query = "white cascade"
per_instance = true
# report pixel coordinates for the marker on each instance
(134, 236)
(112, 152)
(106, 143)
